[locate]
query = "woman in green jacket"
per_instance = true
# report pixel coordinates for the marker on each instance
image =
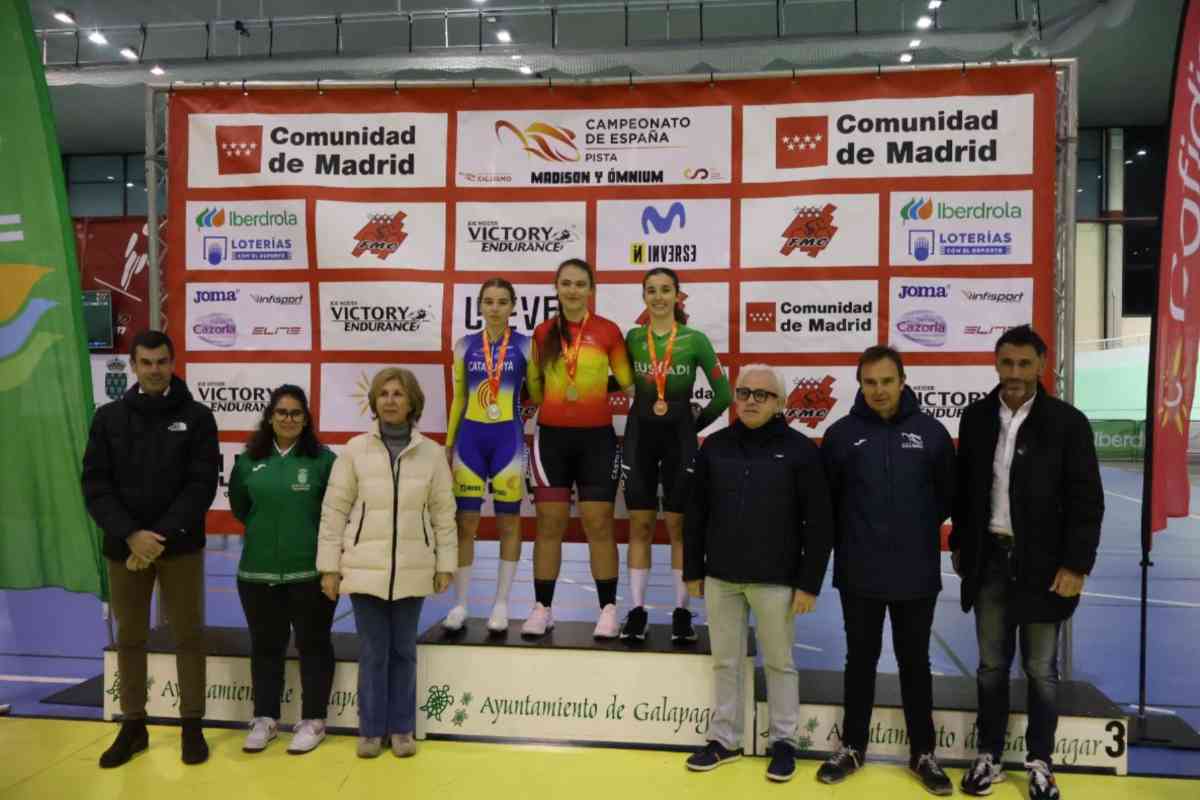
(277, 487)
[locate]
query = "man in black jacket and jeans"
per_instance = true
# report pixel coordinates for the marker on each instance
(149, 475)
(891, 474)
(1027, 513)
(757, 535)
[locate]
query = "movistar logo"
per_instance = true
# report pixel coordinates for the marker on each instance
(210, 218)
(652, 219)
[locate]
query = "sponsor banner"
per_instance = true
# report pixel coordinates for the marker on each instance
(834, 230)
(968, 228)
(706, 304)
(536, 303)
(680, 234)
(1119, 439)
(595, 147)
(381, 316)
(1096, 742)
(518, 235)
(813, 317)
(229, 451)
(112, 256)
(957, 314)
(345, 389)
(349, 150)
(577, 695)
(237, 394)
(247, 234)
(817, 397)
(385, 235)
(248, 316)
(111, 377)
(945, 392)
(887, 138)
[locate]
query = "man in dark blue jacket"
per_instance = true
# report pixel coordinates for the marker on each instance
(757, 535)
(891, 474)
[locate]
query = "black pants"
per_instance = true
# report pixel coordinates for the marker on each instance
(912, 624)
(272, 612)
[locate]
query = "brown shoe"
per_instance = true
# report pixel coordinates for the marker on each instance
(403, 745)
(369, 746)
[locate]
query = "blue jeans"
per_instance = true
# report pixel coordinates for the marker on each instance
(997, 638)
(387, 664)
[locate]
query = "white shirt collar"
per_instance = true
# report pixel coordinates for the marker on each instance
(284, 452)
(166, 391)
(1023, 411)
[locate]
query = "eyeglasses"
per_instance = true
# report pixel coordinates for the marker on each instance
(759, 395)
(295, 415)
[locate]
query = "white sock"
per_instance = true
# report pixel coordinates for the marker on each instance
(682, 600)
(504, 580)
(638, 578)
(462, 585)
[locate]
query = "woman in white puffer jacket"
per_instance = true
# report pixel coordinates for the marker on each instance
(388, 539)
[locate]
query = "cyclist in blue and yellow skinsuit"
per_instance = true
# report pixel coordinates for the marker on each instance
(485, 440)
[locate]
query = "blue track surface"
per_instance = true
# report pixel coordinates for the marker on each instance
(50, 634)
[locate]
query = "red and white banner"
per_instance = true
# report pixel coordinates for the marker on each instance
(1177, 323)
(112, 258)
(337, 233)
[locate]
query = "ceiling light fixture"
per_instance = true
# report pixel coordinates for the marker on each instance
(1129, 161)
(157, 70)
(914, 44)
(905, 58)
(526, 69)
(65, 17)
(504, 36)
(96, 37)
(1142, 152)
(129, 184)
(129, 53)
(924, 22)
(934, 5)
(515, 57)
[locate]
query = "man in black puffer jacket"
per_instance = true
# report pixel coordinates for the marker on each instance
(149, 475)
(891, 473)
(757, 535)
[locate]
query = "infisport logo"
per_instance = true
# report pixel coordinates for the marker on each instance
(923, 327)
(810, 231)
(810, 401)
(992, 297)
(239, 149)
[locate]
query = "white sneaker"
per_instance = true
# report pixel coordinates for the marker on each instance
(498, 621)
(607, 626)
(307, 734)
(262, 731)
(455, 619)
(540, 620)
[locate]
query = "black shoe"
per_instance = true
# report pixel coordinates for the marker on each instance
(932, 777)
(712, 756)
(1042, 785)
(840, 765)
(634, 626)
(195, 749)
(783, 762)
(983, 772)
(681, 626)
(131, 739)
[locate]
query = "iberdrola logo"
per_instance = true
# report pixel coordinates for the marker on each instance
(20, 348)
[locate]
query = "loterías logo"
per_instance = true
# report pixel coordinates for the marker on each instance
(239, 149)
(801, 142)
(761, 317)
(810, 401)
(543, 140)
(381, 236)
(810, 231)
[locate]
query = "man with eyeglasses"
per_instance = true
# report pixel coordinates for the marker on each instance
(149, 475)
(757, 536)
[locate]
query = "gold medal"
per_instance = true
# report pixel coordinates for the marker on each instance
(570, 356)
(660, 407)
(493, 411)
(572, 393)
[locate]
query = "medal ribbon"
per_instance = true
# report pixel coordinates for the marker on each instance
(571, 354)
(493, 375)
(659, 369)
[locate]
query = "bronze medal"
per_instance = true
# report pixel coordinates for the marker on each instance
(660, 407)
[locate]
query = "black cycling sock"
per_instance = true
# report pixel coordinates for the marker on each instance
(543, 591)
(606, 591)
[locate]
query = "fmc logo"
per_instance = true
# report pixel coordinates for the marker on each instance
(543, 140)
(381, 236)
(810, 231)
(239, 149)
(662, 224)
(810, 401)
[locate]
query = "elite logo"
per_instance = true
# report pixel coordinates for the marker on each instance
(761, 317)
(810, 402)
(810, 231)
(239, 149)
(381, 236)
(801, 142)
(543, 140)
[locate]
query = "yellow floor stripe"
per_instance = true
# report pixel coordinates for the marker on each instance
(48, 759)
